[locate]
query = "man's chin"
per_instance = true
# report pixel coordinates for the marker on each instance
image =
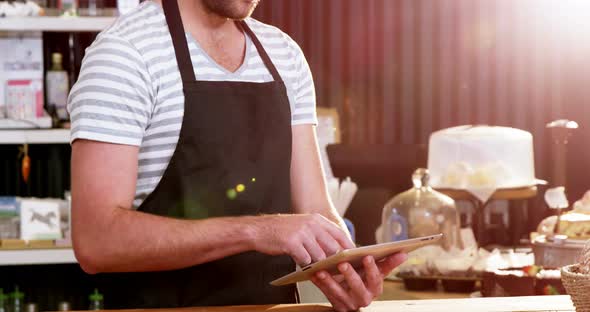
(232, 9)
(240, 17)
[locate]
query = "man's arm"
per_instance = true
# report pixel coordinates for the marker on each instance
(309, 191)
(109, 236)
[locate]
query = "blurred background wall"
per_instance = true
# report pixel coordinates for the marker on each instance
(397, 70)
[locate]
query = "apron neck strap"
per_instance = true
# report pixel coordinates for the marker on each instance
(262, 52)
(183, 56)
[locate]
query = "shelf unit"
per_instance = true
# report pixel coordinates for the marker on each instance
(56, 23)
(48, 24)
(37, 256)
(48, 136)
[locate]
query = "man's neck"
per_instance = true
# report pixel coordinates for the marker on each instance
(199, 21)
(221, 38)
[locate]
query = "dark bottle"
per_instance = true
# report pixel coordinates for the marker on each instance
(16, 300)
(3, 298)
(96, 301)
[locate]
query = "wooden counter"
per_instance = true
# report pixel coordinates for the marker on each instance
(541, 303)
(395, 290)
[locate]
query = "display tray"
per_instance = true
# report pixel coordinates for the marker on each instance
(504, 187)
(557, 254)
(501, 282)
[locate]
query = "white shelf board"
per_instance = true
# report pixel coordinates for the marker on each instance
(44, 136)
(56, 23)
(37, 256)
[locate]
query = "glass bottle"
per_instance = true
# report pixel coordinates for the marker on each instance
(31, 307)
(64, 306)
(96, 301)
(421, 211)
(57, 83)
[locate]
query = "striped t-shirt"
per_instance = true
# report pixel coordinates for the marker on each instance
(130, 92)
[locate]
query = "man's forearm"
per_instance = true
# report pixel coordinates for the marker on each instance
(135, 241)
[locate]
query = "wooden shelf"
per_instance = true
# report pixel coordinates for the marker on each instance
(46, 136)
(37, 256)
(56, 24)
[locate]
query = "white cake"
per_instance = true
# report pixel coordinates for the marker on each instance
(471, 157)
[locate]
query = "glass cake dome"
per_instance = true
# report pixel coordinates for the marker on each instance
(421, 211)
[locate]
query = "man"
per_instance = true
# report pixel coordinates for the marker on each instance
(196, 177)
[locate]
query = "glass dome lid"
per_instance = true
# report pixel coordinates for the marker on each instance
(421, 211)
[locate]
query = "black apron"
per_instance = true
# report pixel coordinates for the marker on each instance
(233, 158)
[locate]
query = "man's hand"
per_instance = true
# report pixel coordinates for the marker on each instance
(306, 238)
(353, 290)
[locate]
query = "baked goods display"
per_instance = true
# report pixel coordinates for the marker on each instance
(526, 281)
(481, 156)
(574, 224)
(482, 160)
(457, 269)
(560, 239)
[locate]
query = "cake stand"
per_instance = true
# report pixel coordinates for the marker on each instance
(517, 196)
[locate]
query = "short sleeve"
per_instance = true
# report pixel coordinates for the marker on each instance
(304, 111)
(112, 99)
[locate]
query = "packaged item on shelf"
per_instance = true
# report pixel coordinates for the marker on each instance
(68, 7)
(8, 206)
(9, 228)
(9, 221)
(21, 76)
(17, 8)
(95, 7)
(58, 87)
(24, 99)
(40, 220)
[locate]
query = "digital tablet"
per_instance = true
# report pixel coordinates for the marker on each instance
(355, 257)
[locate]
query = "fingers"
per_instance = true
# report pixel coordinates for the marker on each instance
(373, 277)
(329, 245)
(358, 291)
(319, 281)
(314, 249)
(336, 232)
(339, 298)
(300, 255)
(391, 262)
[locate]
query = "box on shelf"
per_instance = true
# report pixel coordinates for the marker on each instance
(9, 220)
(21, 75)
(31, 219)
(40, 219)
